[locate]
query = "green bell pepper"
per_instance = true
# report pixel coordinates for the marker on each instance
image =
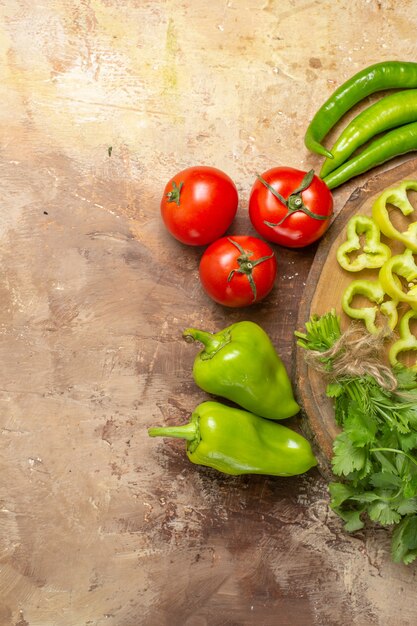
(374, 252)
(397, 197)
(234, 441)
(374, 291)
(397, 267)
(407, 340)
(240, 363)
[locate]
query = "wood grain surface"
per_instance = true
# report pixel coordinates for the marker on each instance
(99, 524)
(325, 286)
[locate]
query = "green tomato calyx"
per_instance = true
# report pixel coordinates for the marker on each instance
(294, 202)
(174, 194)
(247, 265)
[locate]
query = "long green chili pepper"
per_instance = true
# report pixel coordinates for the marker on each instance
(392, 144)
(392, 111)
(378, 77)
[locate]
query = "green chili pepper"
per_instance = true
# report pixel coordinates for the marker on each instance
(392, 144)
(374, 252)
(397, 197)
(378, 77)
(374, 291)
(397, 267)
(240, 363)
(407, 340)
(392, 111)
(234, 441)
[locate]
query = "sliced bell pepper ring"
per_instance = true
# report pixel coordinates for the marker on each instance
(374, 291)
(390, 274)
(374, 252)
(407, 340)
(396, 196)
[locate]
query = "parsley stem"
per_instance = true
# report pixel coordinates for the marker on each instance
(412, 459)
(385, 414)
(353, 390)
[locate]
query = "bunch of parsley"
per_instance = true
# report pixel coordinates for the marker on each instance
(376, 450)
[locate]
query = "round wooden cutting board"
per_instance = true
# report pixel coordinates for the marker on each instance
(323, 292)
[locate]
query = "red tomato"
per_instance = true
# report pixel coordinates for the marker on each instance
(199, 204)
(290, 207)
(238, 271)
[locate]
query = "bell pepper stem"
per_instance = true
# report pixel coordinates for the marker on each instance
(212, 343)
(187, 431)
(194, 334)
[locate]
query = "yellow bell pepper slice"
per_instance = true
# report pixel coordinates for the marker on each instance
(374, 252)
(397, 197)
(373, 290)
(407, 340)
(400, 266)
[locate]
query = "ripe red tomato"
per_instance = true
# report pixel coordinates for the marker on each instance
(199, 204)
(290, 207)
(238, 271)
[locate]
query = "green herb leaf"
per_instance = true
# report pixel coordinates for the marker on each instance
(376, 452)
(352, 519)
(360, 428)
(404, 541)
(407, 506)
(366, 497)
(408, 442)
(341, 408)
(382, 512)
(339, 493)
(410, 487)
(406, 377)
(347, 457)
(385, 480)
(334, 390)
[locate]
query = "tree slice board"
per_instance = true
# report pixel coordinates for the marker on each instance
(324, 288)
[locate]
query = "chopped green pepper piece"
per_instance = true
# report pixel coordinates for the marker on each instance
(407, 340)
(374, 291)
(374, 252)
(397, 197)
(397, 267)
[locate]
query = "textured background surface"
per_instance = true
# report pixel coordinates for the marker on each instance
(100, 525)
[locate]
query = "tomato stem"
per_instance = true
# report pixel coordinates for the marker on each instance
(246, 265)
(174, 194)
(294, 201)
